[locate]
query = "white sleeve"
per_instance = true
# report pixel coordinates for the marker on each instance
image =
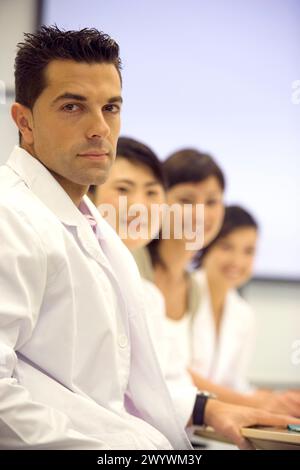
(25, 423)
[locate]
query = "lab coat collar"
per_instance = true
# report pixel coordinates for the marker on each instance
(39, 179)
(41, 182)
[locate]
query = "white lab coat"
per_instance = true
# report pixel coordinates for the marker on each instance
(179, 381)
(73, 338)
(224, 360)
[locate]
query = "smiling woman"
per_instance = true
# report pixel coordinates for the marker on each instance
(134, 186)
(225, 322)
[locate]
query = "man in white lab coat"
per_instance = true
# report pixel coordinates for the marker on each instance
(77, 369)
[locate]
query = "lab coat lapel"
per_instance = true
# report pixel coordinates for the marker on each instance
(90, 243)
(126, 273)
(38, 178)
(143, 392)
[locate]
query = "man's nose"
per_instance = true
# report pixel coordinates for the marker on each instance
(98, 127)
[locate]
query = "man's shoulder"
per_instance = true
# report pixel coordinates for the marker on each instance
(8, 180)
(18, 201)
(14, 194)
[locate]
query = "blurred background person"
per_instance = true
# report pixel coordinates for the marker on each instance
(195, 178)
(224, 330)
(137, 174)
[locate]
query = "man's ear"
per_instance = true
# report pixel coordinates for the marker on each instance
(24, 121)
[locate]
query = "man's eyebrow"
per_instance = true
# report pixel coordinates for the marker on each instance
(76, 97)
(115, 99)
(69, 96)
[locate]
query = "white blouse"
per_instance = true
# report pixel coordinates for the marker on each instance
(180, 332)
(223, 358)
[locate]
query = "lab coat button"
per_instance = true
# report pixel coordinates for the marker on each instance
(123, 341)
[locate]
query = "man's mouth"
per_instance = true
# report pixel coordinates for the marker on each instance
(94, 155)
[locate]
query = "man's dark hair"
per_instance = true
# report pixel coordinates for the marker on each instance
(51, 43)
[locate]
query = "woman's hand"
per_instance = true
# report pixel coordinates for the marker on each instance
(227, 420)
(285, 402)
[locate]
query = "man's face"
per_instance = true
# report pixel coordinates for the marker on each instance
(76, 121)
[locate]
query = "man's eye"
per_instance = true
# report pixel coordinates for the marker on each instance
(112, 108)
(70, 108)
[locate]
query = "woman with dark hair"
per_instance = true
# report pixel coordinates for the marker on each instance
(195, 178)
(136, 181)
(225, 323)
(192, 178)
